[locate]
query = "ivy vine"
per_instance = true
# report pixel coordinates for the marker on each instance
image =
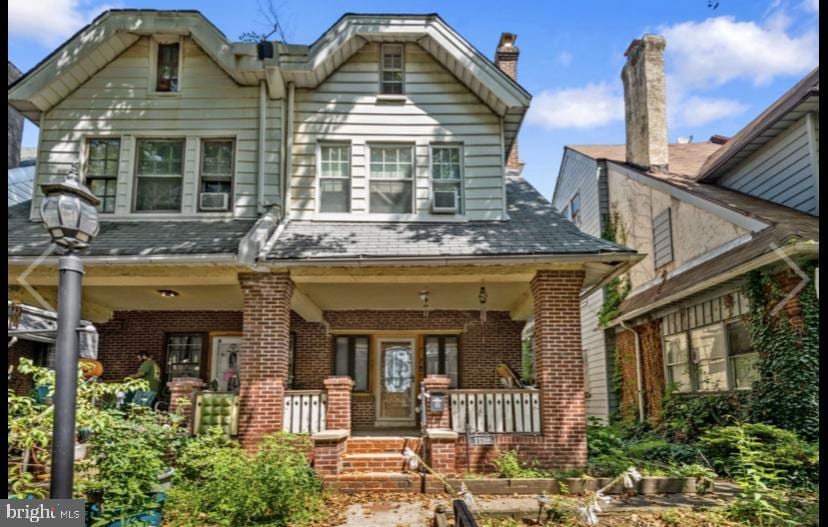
(616, 289)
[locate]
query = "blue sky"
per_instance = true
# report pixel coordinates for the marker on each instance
(724, 65)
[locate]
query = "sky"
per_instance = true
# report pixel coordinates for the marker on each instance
(725, 61)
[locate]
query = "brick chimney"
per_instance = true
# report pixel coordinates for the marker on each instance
(645, 107)
(506, 58)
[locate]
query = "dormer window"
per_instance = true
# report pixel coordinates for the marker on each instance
(392, 75)
(575, 209)
(166, 78)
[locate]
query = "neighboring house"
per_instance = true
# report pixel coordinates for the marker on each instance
(705, 215)
(15, 128)
(394, 247)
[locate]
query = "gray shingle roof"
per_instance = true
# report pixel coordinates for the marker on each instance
(134, 237)
(535, 228)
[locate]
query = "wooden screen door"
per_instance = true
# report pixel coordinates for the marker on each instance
(397, 390)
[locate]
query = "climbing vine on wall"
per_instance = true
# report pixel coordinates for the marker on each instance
(786, 395)
(616, 290)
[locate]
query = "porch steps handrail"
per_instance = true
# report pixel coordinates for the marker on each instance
(304, 411)
(497, 411)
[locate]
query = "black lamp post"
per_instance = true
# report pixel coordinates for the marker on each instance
(69, 214)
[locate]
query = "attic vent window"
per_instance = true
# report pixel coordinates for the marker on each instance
(167, 68)
(392, 70)
(662, 239)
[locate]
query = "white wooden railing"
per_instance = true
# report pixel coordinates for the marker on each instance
(304, 411)
(495, 411)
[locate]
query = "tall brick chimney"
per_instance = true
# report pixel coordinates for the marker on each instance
(645, 107)
(506, 58)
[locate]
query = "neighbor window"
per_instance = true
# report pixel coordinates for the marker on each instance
(216, 173)
(392, 79)
(334, 178)
(447, 171)
(391, 179)
(709, 352)
(441, 357)
(166, 79)
(566, 212)
(662, 238)
(159, 174)
(743, 358)
(677, 361)
(351, 359)
(575, 208)
(102, 170)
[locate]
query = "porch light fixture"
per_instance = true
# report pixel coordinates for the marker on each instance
(483, 297)
(424, 300)
(167, 293)
(69, 214)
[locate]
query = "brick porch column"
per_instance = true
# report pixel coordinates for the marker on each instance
(559, 366)
(437, 384)
(338, 416)
(263, 367)
(182, 390)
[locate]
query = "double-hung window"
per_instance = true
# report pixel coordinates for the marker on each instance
(334, 178)
(391, 179)
(160, 170)
(447, 171)
(677, 362)
(392, 69)
(216, 173)
(102, 170)
(351, 356)
(709, 352)
(743, 358)
(442, 357)
(166, 68)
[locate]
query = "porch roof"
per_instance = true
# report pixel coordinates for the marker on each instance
(535, 228)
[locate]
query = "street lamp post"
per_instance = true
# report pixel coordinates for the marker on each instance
(69, 214)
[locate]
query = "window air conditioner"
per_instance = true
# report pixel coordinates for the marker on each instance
(444, 202)
(213, 201)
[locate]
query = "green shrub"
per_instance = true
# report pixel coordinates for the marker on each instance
(773, 448)
(218, 483)
(508, 465)
(685, 417)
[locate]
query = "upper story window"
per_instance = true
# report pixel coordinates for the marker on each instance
(566, 212)
(216, 174)
(102, 157)
(442, 357)
(391, 179)
(392, 69)
(447, 171)
(166, 69)
(334, 178)
(351, 358)
(159, 173)
(662, 239)
(713, 358)
(575, 208)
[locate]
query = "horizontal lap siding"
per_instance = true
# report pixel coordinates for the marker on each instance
(439, 108)
(117, 102)
(780, 171)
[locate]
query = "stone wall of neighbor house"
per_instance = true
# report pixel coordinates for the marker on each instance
(21, 384)
(130, 332)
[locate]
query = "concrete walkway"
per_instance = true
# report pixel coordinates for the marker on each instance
(418, 510)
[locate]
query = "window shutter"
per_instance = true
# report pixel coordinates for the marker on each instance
(662, 239)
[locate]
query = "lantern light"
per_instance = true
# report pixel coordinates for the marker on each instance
(69, 212)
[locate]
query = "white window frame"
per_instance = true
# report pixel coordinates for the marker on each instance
(575, 216)
(155, 40)
(731, 370)
(690, 388)
(382, 68)
(136, 176)
(86, 159)
(202, 176)
(369, 178)
(696, 361)
(461, 208)
(318, 180)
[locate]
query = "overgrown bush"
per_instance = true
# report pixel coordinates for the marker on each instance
(508, 465)
(794, 462)
(218, 483)
(685, 417)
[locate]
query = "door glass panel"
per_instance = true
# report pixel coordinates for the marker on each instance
(397, 380)
(451, 361)
(361, 365)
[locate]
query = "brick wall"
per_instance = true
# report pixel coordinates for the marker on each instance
(129, 332)
(21, 384)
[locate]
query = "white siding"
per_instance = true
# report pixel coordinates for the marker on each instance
(780, 172)
(117, 102)
(438, 109)
(597, 372)
(579, 175)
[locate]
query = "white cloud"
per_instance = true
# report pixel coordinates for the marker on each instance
(49, 21)
(717, 50)
(811, 5)
(590, 106)
(696, 111)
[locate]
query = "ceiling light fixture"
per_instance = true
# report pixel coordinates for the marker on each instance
(168, 293)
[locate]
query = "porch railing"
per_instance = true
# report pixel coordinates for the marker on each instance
(495, 411)
(304, 411)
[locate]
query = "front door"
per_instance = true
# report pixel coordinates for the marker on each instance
(225, 363)
(396, 394)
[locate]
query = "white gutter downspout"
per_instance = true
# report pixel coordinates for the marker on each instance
(638, 374)
(260, 175)
(288, 148)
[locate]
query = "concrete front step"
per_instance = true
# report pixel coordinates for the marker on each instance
(374, 482)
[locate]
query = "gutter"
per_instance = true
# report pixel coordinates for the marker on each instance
(639, 376)
(187, 259)
(621, 269)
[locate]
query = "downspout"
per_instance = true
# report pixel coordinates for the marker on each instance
(638, 374)
(260, 175)
(289, 147)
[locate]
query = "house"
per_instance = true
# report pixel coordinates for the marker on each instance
(705, 215)
(334, 227)
(15, 128)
